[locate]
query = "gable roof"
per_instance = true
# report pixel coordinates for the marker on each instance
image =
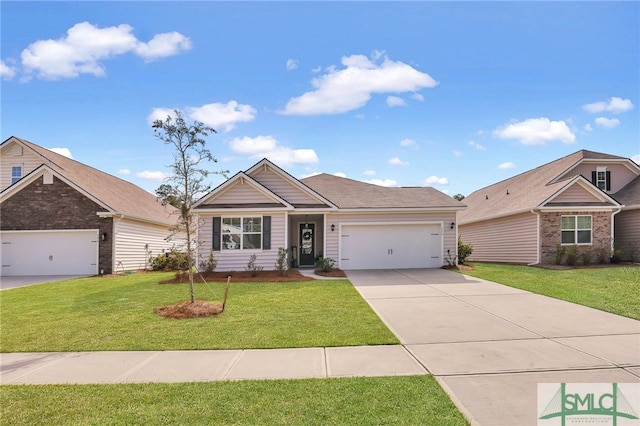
(351, 194)
(266, 198)
(116, 195)
(630, 194)
(531, 189)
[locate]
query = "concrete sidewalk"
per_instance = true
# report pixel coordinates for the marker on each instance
(202, 366)
(489, 345)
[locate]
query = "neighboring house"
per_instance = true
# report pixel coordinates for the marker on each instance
(62, 217)
(359, 225)
(589, 199)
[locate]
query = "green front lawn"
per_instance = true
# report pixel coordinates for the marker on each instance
(611, 289)
(412, 400)
(116, 313)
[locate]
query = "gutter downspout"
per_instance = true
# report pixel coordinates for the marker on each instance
(537, 213)
(613, 228)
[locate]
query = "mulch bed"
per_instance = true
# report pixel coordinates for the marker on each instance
(334, 273)
(236, 276)
(197, 309)
(460, 267)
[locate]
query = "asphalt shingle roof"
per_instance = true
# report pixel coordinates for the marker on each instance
(351, 194)
(119, 195)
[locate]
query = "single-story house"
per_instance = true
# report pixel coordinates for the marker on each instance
(359, 225)
(589, 199)
(61, 217)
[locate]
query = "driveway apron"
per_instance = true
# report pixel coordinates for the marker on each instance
(489, 345)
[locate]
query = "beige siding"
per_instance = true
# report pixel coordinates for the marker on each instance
(575, 194)
(242, 193)
(236, 260)
(28, 161)
(130, 240)
(620, 175)
(510, 239)
(285, 189)
(446, 218)
(627, 233)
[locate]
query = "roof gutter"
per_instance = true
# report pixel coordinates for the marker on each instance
(120, 216)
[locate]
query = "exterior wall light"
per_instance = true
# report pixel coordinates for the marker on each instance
(453, 225)
(333, 227)
(103, 236)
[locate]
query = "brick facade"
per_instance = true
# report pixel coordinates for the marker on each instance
(57, 206)
(550, 234)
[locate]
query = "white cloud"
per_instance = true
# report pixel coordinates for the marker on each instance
(124, 172)
(219, 115)
(536, 131)
(292, 64)
(407, 142)
(351, 87)
(614, 104)
(310, 175)
(457, 154)
(369, 173)
(7, 72)
(418, 97)
(269, 147)
(609, 123)
(157, 176)
(395, 161)
(340, 174)
(394, 101)
(85, 46)
(506, 166)
(383, 182)
(160, 114)
(476, 146)
(588, 127)
(435, 180)
(636, 158)
(62, 151)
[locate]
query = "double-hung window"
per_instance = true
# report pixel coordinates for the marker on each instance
(576, 229)
(16, 174)
(241, 233)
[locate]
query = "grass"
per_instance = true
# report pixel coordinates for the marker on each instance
(612, 289)
(116, 313)
(416, 400)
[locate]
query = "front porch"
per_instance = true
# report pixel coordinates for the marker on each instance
(305, 239)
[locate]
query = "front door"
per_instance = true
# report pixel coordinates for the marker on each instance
(307, 241)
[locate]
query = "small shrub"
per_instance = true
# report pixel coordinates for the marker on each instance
(451, 259)
(587, 256)
(281, 262)
(253, 267)
(560, 252)
(325, 264)
(210, 264)
(572, 255)
(601, 255)
(464, 250)
(173, 260)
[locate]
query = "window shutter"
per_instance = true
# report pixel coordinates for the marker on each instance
(217, 227)
(593, 178)
(608, 177)
(266, 232)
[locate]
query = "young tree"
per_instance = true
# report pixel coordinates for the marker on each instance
(167, 194)
(187, 181)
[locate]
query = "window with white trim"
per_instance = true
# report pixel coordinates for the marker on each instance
(16, 174)
(576, 229)
(601, 178)
(241, 233)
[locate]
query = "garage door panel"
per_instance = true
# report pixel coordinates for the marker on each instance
(391, 246)
(49, 253)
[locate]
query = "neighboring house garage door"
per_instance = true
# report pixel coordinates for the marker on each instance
(366, 246)
(68, 252)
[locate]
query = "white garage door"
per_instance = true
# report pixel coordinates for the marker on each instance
(391, 246)
(49, 252)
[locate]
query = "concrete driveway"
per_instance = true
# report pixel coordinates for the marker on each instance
(13, 282)
(490, 345)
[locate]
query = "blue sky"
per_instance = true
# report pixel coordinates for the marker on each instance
(454, 95)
